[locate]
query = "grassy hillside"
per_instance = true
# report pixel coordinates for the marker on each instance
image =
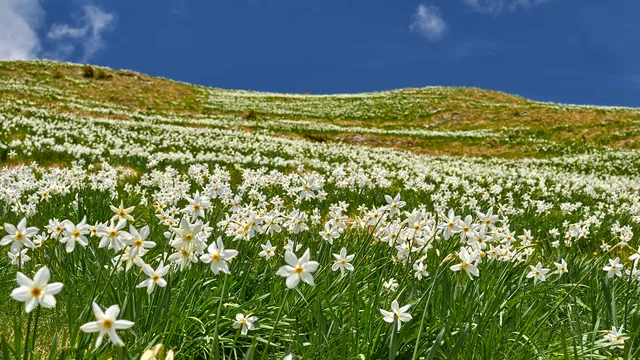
(433, 120)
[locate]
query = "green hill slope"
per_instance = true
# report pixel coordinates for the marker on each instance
(434, 120)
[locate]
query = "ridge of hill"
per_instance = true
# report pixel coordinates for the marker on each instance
(432, 120)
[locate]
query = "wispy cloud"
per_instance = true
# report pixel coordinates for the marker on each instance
(497, 6)
(428, 22)
(19, 20)
(88, 32)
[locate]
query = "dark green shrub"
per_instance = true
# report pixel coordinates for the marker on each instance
(87, 71)
(250, 115)
(102, 75)
(57, 74)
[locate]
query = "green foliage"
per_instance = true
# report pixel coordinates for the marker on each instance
(87, 71)
(103, 75)
(57, 74)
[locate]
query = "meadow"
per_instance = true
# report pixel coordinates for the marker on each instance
(150, 219)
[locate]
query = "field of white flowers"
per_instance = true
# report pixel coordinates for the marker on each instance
(157, 236)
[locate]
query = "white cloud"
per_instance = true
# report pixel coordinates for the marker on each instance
(88, 32)
(428, 22)
(496, 6)
(58, 32)
(19, 20)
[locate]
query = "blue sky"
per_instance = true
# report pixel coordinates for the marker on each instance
(570, 51)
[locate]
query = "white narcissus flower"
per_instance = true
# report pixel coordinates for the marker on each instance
(155, 276)
(342, 261)
(298, 269)
(107, 323)
(73, 234)
(394, 204)
(467, 263)
(187, 234)
(614, 268)
(616, 337)
(37, 291)
(19, 236)
(111, 235)
(121, 213)
(420, 270)
(218, 257)
(450, 225)
(137, 242)
(538, 273)
(19, 258)
(390, 285)
(397, 313)
(561, 268)
(268, 251)
(246, 323)
(197, 206)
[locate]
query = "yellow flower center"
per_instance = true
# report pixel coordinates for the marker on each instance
(19, 236)
(215, 257)
(107, 323)
(188, 237)
(138, 243)
(155, 277)
(36, 292)
(298, 269)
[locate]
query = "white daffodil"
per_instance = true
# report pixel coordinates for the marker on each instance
(298, 269)
(561, 267)
(538, 273)
(342, 261)
(19, 236)
(107, 323)
(616, 337)
(121, 213)
(73, 234)
(246, 323)
(155, 276)
(37, 291)
(111, 235)
(218, 257)
(420, 270)
(19, 258)
(467, 263)
(187, 235)
(614, 268)
(268, 251)
(138, 245)
(394, 204)
(397, 314)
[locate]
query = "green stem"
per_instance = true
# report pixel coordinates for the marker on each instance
(35, 330)
(216, 340)
(273, 330)
(26, 341)
(394, 339)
